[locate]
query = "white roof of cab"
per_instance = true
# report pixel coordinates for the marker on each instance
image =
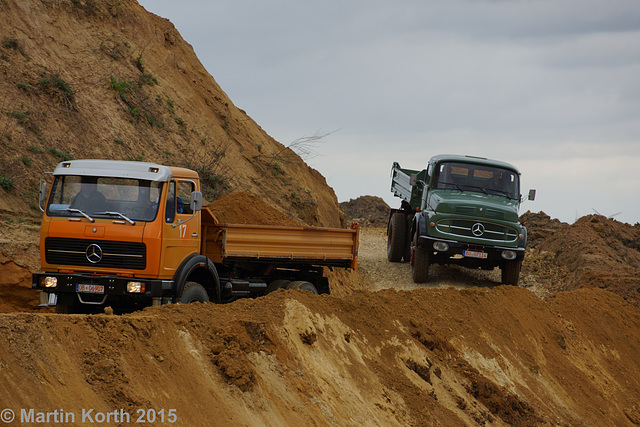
(115, 168)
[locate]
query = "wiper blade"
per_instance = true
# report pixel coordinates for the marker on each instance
(506, 193)
(478, 187)
(450, 183)
(81, 213)
(123, 216)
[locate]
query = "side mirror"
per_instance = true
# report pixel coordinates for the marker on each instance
(43, 194)
(532, 194)
(43, 191)
(196, 201)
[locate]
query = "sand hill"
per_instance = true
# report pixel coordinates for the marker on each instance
(106, 79)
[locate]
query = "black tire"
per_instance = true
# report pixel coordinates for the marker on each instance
(193, 292)
(277, 284)
(396, 237)
(303, 286)
(511, 272)
(420, 260)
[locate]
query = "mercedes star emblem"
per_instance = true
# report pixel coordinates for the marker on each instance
(477, 229)
(94, 253)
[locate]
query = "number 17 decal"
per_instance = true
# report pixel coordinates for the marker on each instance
(183, 230)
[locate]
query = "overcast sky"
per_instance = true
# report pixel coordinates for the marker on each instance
(551, 86)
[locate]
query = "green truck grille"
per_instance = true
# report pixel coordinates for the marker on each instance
(472, 210)
(478, 230)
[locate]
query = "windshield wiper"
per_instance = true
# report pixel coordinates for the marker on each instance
(506, 193)
(450, 183)
(81, 213)
(478, 187)
(123, 216)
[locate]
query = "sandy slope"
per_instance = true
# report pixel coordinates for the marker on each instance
(423, 357)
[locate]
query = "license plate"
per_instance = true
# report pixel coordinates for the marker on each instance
(475, 254)
(90, 289)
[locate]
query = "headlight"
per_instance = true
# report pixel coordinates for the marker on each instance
(49, 282)
(135, 287)
(509, 255)
(441, 246)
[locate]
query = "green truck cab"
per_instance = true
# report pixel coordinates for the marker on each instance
(459, 210)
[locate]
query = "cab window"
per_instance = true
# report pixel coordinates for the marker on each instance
(183, 200)
(170, 211)
(179, 199)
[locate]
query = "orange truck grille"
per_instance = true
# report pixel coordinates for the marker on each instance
(95, 253)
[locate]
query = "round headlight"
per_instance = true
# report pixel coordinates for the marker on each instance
(50, 282)
(509, 255)
(441, 246)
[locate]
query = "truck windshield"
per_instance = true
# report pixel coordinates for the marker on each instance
(104, 197)
(477, 178)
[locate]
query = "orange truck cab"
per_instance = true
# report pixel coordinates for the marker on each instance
(132, 234)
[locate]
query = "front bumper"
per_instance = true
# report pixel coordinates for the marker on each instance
(91, 289)
(494, 254)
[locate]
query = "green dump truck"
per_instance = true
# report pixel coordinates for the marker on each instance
(459, 210)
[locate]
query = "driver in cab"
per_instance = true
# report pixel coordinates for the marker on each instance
(89, 199)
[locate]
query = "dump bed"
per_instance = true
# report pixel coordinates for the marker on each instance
(401, 181)
(404, 186)
(301, 244)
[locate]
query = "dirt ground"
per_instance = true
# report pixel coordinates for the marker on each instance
(380, 350)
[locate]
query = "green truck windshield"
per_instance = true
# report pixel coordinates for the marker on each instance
(476, 178)
(104, 197)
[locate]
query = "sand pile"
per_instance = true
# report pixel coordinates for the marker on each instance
(367, 211)
(245, 208)
(594, 252)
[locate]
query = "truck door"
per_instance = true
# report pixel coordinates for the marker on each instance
(181, 227)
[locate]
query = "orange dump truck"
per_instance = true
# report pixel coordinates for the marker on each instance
(133, 234)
